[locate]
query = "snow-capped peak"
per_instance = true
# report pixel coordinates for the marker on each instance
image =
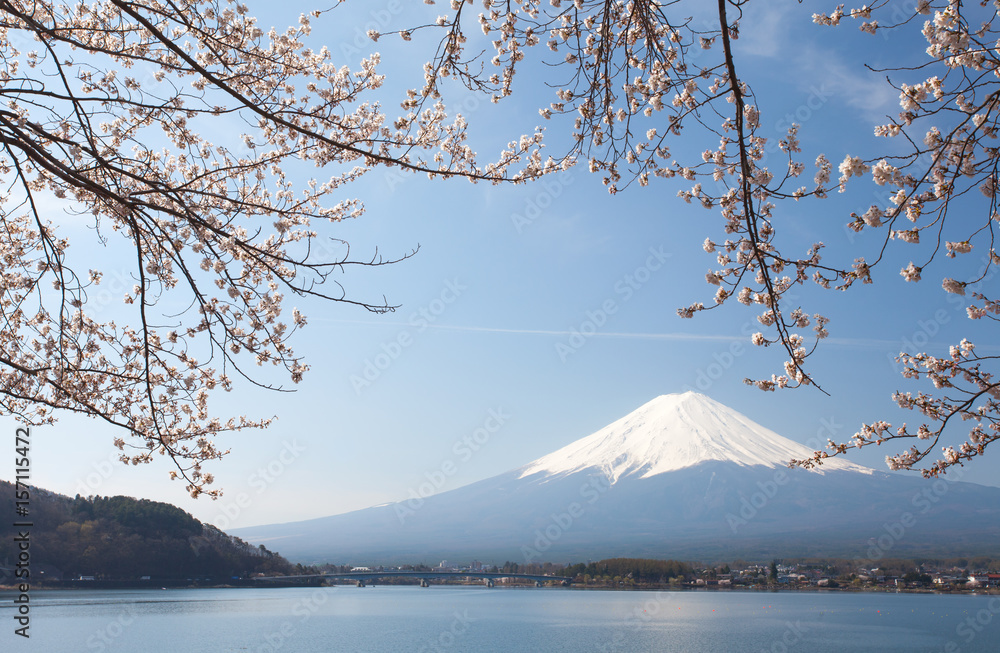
(673, 432)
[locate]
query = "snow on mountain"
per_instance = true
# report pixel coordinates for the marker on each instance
(682, 476)
(673, 432)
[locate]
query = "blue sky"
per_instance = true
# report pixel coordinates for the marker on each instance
(483, 338)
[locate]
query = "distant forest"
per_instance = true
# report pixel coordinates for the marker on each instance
(121, 538)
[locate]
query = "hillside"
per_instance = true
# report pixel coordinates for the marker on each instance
(121, 538)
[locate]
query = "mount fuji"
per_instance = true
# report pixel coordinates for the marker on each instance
(682, 476)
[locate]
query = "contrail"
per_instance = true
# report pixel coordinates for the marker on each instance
(679, 337)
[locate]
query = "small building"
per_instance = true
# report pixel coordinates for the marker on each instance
(978, 580)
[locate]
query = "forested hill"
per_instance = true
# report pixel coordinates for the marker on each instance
(121, 538)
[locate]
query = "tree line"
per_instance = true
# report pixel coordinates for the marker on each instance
(120, 538)
(638, 569)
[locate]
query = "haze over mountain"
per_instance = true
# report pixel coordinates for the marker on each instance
(680, 477)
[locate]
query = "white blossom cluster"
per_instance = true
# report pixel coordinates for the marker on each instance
(951, 117)
(110, 106)
(961, 371)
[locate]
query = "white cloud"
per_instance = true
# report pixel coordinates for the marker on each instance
(855, 85)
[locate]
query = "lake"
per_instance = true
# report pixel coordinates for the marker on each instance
(441, 618)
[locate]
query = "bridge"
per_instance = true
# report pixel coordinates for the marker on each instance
(425, 577)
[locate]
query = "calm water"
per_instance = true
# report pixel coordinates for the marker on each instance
(453, 619)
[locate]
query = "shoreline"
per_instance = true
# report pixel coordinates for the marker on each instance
(85, 586)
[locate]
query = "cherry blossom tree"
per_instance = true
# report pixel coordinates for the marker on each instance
(632, 77)
(177, 130)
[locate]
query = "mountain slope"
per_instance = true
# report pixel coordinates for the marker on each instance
(682, 476)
